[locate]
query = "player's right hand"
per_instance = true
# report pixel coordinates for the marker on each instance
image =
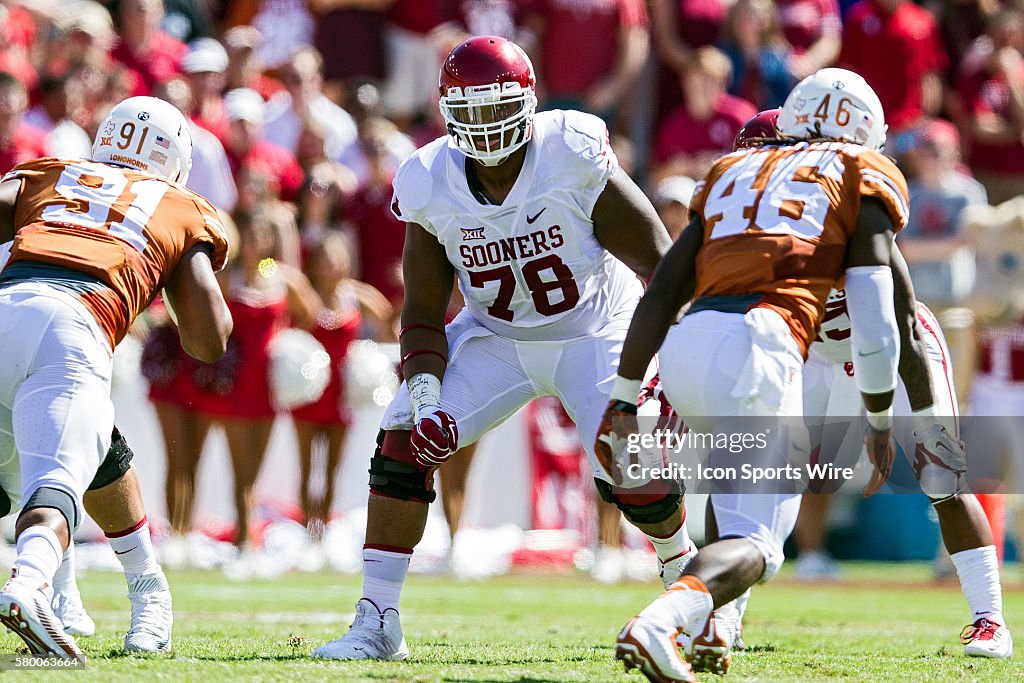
(618, 423)
(882, 453)
(434, 438)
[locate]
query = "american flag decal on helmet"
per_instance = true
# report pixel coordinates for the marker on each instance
(161, 141)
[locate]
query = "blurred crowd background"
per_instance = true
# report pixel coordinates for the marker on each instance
(302, 111)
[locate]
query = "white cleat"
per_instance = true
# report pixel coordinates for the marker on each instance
(986, 638)
(373, 635)
(68, 608)
(152, 615)
(673, 569)
(650, 646)
(816, 566)
(25, 611)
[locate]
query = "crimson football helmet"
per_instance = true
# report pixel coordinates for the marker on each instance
(761, 125)
(488, 98)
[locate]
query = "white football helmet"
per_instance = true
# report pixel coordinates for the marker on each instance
(837, 104)
(148, 135)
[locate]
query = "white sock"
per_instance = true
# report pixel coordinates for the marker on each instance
(741, 603)
(64, 578)
(978, 569)
(134, 549)
(687, 605)
(736, 609)
(383, 576)
(672, 546)
(39, 555)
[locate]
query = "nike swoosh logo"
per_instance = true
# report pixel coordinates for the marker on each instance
(531, 220)
(117, 552)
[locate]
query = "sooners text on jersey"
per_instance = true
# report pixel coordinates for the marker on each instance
(532, 267)
(125, 228)
(777, 221)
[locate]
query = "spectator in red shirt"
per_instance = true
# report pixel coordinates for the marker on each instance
(380, 235)
(814, 30)
(244, 67)
(590, 54)
(960, 23)
(704, 127)
(758, 52)
(895, 46)
(149, 54)
(205, 65)
(18, 35)
(83, 39)
(413, 57)
(991, 88)
(18, 141)
(350, 36)
(679, 27)
(250, 154)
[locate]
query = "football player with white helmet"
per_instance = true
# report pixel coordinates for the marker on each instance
(94, 241)
(550, 241)
(774, 227)
(930, 438)
(114, 501)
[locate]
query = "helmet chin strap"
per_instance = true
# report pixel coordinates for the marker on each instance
(494, 162)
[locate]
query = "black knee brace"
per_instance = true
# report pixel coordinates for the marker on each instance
(46, 497)
(118, 460)
(648, 504)
(396, 478)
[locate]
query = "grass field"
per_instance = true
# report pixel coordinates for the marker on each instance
(886, 622)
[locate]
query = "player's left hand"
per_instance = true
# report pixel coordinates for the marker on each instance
(618, 423)
(937, 447)
(434, 439)
(882, 453)
(653, 391)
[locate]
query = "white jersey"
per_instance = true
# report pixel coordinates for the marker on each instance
(833, 342)
(531, 268)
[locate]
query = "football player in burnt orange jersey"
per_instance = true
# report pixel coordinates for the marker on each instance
(773, 229)
(94, 241)
(114, 501)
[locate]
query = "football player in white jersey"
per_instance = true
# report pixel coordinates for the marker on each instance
(550, 242)
(930, 439)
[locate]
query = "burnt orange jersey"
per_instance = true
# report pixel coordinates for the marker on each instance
(777, 221)
(126, 229)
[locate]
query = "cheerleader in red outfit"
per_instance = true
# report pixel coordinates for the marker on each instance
(322, 425)
(264, 296)
(176, 400)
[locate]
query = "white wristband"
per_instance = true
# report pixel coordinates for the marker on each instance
(923, 419)
(424, 393)
(627, 390)
(880, 421)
